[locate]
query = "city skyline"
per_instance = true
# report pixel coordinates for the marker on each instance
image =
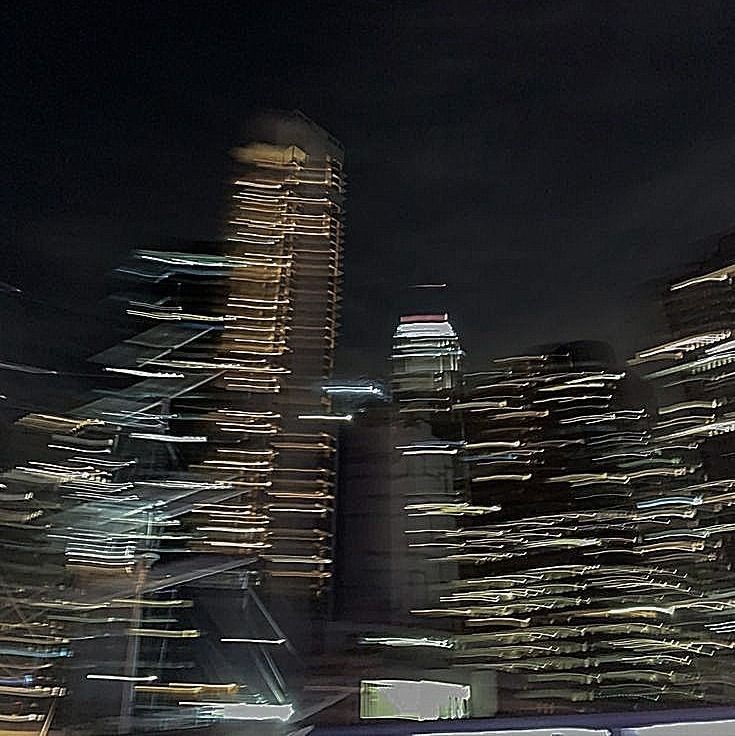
(368, 366)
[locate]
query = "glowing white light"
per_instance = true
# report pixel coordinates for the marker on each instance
(122, 678)
(144, 374)
(246, 711)
(327, 417)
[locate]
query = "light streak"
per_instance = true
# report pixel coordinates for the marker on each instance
(123, 678)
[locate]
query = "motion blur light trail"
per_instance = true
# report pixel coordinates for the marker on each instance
(136, 545)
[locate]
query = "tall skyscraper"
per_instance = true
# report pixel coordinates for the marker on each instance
(175, 501)
(286, 223)
(395, 455)
(287, 203)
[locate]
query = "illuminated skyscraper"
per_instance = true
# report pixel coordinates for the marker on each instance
(200, 476)
(427, 364)
(691, 367)
(395, 455)
(287, 207)
(286, 224)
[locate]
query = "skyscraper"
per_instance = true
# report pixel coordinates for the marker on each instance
(286, 222)
(426, 365)
(288, 203)
(211, 471)
(691, 367)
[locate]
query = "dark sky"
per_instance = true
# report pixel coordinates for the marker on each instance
(545, 159)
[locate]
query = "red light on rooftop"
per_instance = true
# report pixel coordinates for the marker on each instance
(411, 318)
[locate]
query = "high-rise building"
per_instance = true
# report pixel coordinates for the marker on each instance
(285, 230)
(691, 366)
(178, 502)
(426, 366)
(287, 204)
(703, 298)
(395, 455)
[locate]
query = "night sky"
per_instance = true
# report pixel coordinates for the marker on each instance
(547, 160)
